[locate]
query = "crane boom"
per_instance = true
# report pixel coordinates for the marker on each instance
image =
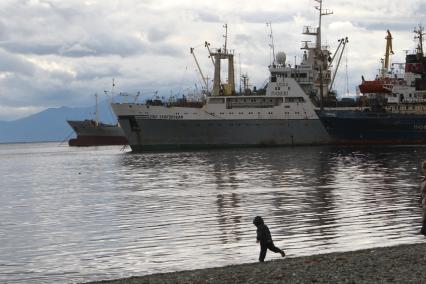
(388, 52)
(199, 68)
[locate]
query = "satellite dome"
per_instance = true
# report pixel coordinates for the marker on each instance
(281, 57)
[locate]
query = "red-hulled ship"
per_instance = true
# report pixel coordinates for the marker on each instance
(383, 83)
(93, 133)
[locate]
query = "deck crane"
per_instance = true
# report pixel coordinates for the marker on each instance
(199, 69)
(342, 42)
(388, 52)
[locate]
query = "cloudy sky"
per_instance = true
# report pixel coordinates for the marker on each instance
(59, 53)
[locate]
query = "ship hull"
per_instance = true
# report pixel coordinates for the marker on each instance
(359, 127)
(156, 134)
(90, 134)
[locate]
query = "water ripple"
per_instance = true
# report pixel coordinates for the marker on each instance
(80, 214)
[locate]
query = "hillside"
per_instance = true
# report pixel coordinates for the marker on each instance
(50, 124)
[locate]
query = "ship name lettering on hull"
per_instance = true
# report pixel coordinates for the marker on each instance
(171, 117)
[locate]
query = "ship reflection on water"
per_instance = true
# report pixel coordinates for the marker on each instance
(120, 214)
(315, 199)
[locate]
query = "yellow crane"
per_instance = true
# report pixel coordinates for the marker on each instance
(388, 52)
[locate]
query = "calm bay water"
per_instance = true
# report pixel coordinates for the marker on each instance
(81, 214)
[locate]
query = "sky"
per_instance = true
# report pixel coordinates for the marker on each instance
(60, 53)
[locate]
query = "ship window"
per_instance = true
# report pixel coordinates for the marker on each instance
(295, 100)
(273, 79)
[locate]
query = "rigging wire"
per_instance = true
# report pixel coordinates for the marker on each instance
(347, 77)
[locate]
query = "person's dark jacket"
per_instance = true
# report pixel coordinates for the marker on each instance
(263, 234)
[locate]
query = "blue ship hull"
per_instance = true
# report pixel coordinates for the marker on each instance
(367, 127)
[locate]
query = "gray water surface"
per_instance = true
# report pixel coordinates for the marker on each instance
(80, 214)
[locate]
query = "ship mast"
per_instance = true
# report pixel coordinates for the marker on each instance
(218, 55)
(269, 24)
(420, 33)
(225, 36)
(319, 53)
(322, 12)
(96, 110)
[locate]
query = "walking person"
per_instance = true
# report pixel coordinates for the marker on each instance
(265, 239)
(423, 198)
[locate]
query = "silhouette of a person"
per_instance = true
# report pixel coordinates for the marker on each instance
(265, 239)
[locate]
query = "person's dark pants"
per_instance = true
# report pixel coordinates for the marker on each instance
(264, 247)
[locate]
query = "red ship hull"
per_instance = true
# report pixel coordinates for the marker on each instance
(376, 86)
(84, 141)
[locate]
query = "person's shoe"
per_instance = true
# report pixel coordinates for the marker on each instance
(282, 253)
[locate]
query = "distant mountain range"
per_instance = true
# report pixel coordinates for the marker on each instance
(50, 124)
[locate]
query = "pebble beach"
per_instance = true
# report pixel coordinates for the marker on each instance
(397, 264)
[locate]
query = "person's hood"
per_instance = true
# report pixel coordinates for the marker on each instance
(257, 221)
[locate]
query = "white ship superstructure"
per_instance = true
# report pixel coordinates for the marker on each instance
(283, 114)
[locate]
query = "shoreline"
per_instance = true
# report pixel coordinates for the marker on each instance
(396, 264)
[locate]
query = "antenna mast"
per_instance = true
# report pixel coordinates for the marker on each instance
(269, 24)
(322, 12)
(239, 61)
(226, 37)
(96, 110)
(420, 33)
(112, 89)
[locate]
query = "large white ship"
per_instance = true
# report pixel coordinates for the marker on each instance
(283, 114)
